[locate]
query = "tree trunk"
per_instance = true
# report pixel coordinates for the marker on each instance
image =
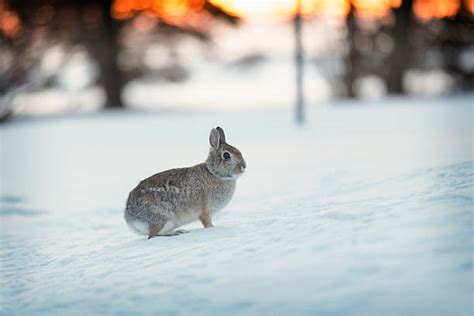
(401, 54)
(299, 67)
(351, 58)
(106, 50)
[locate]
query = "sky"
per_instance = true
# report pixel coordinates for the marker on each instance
(249, 9)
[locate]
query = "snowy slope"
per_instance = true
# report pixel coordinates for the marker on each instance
(368, 210)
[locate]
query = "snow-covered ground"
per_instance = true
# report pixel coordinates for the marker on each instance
(367, 210)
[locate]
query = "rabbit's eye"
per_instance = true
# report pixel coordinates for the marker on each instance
(226, 155)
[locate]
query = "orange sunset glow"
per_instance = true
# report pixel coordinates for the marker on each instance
(9, 21)
(179, 10)
(283, 8)
(123, 9)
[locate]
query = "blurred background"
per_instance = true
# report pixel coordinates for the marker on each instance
(70, 56)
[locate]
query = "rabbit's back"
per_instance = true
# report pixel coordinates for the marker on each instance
(167, 196)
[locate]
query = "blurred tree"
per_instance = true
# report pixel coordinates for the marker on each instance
(352, 54)
(92, 23)
(364, 54)
(299, 63)
(456, 40)
(408, 38)
(402, 51)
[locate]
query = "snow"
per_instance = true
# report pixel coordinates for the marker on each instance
(367, 210)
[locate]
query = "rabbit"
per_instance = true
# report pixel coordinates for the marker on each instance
(172, 198)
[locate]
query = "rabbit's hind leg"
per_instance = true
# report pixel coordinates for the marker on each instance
(154, 231)
(159, 228)
(168, 234)
(181, 231)
(173, 233)
(164, 231)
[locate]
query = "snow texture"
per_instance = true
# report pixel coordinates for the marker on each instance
(368, 210)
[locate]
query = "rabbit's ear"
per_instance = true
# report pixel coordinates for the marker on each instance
(221, 133)
(214, 138)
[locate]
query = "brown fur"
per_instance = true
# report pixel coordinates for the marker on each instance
(206, 219)
(179, 196)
